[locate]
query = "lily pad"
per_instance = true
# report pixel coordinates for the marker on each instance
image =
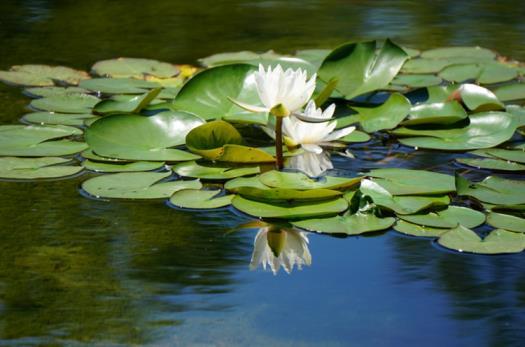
(289, 210)
(506, 221)
(386, 116)
(35, 168)
(516, 155)
(486, 129)
(132, 105)
(511, 92)
(355, 136)
(434, 65)
(494, 190)
(498, 241)
(448, 218)
(484, 73)
(208, 94)
(52, 118)
(417, 80)
(135, 137)
(459, 51)
(200, 199)
(125, 167)
(400, 204)
(281, 194)
(134, 68)
(136, 185)
(355, 224)
(192, 169)
(492, 164)
(42, 75)
(300, 181)
(418, 230)
(67, 103)
(34, 141)
(46, 92)
(413, 182)
(361, 68)
(436, 113)
(118, 85)
(477, 99)
(88, 154)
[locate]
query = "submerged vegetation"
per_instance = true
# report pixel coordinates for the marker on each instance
(209, 137)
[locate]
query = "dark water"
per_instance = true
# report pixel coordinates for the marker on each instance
(75, 271)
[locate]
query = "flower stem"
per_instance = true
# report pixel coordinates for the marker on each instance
(279, 142)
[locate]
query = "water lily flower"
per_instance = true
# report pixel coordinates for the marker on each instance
(281, 92)
(275, 247)
(313, 114)
(312, 164)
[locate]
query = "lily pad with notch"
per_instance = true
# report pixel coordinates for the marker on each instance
(349, 224)
(200, 199)
(36, 168)
(193, 169)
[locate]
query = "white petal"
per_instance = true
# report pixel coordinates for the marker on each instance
(338, 134)
(312, 148)
(251, 108)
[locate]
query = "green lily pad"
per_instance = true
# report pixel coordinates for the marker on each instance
(494, 190)
(135, 137)
(486, 129)
(234, 184)
(448, 218)
(136, 185)
(492, 163)
(354, 224)
(516, 155)
(208, 94)
(289, 210)
(118, 85)
(418, 230)
(417, 80)
(300, 181)
(88, 154)
(400, 204)
(413, 182)
(436, 113)
(506, 221)
(41, 75)
(126, 167)
(459, 51)
(478, 99)
(498, 241)
(200, 199)
(192, 169)
(510, 92)
(360, 68)
(45, 92)
(34, 141)
(219, 140)
(34, 168)
(355, 136)
(438, 94)
(67, 103)
(484, 73)
(432, 65)
(51, 118)
(132, 105)
(281, 194)
(134, 68)
(386, 116)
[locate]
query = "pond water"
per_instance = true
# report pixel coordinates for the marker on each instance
(76, 271)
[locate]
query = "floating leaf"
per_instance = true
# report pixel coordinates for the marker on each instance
(300, 181)
(485, 73)
(498, 241)
(511, 92)
(354, 224)
(88, 154)
(34, 168)
(46, 92)
(413, 182)
(355, 136)
(436, 113)
(280, 194)
(135, 137)
(200, 199)
(506, 154)
(386, 116)
(126, 167)
(400, 204)
(418, 230)
(52, 118)
(477, 98)
(431, 65)
(136, 185)
(192, 169)
(494, 190)
(506, 221)
(289, 210)
(360, 69)
(448, 218)
(487, 129)
(208, 94)
(41, 75)
(132, 105)
(34, 141)
(459, 51)
(134, 68)
(417, 80)
(67, 103)
(118, 85)
(492, 163)
(440, 93)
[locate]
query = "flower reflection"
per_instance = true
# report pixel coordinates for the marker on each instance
(276, 247)
(312, 164)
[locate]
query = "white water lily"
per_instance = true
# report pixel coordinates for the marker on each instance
(284, 247)
(312, 164)
(314, 114)
(287, 90)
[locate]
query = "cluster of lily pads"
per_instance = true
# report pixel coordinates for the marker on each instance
(155, 130)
